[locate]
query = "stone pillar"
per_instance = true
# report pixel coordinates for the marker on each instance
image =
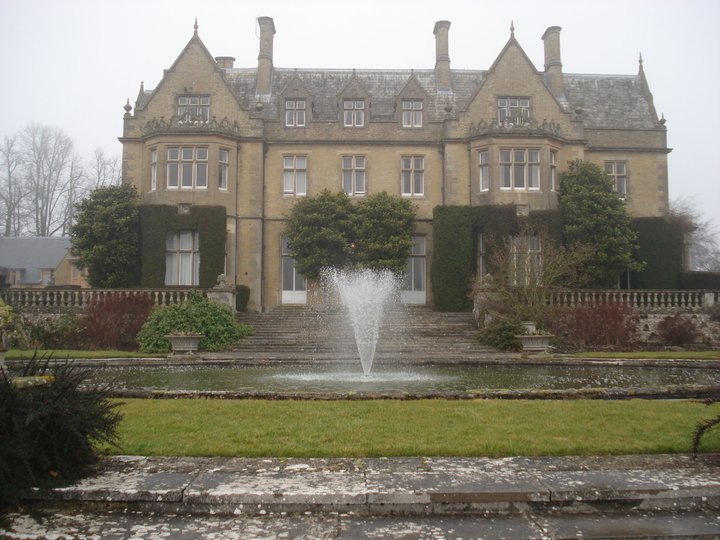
(223, 293)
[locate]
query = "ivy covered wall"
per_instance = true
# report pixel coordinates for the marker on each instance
(157, 220)
(456, 228)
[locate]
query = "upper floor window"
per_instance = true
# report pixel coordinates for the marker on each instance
(295, 175)
(413, 176)
(353, 175)
(187, 167)
(223, 160)
(412, 113)
(484, 164)
(193, 109)
(353, 113)
(153, 169)
(553, 170)
(617, 171)
(510, 109)
(295, 112)
(520, 168)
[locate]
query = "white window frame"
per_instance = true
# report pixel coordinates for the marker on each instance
(412, 176)
(484, 169)
(412, 113)
(617, 171)
(553, 170)
(526, 260)
(223, 166)
(193, 109)
(182, 258)
(354, 177)
(295, 175)
(510, 109)
(520, 169)
(353, 113)
(153, 169)
(295, 109)
(413, 286)
(187, 167)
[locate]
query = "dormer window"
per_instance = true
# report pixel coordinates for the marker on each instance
(353, 112)
(295, 112)
(512, 109)
(412, 113)
(193, 109)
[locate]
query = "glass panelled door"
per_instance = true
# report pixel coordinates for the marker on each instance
(413, 291)
(294, 289)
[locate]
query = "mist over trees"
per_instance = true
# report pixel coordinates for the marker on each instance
(705, 250)
(42, 178)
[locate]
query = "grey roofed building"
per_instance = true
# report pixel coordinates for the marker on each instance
(30, 260)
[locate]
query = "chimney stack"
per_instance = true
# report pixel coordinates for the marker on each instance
(225, 62)
(553, 64)
(442, 56)
(265, 57)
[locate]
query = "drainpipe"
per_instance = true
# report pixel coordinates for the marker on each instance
(262, 229)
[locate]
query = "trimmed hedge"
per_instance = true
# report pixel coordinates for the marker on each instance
(661, 249)
(157, 220)
(700, 280)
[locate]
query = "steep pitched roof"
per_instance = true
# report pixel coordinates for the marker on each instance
(607, 101)
(32, 254)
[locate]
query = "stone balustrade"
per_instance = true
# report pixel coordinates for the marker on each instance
(640, 300)
(50, 299)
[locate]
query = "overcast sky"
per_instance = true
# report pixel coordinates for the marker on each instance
(73, 64)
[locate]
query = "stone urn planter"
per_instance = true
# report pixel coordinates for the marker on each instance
(184, 344)
(535, 342)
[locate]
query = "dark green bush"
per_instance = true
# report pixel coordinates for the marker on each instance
(500, 334)
(49, 431)
(197, 315)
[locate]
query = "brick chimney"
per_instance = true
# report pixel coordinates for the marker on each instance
(442, 56)
(265, 57)
(553, 64)
(225, 62)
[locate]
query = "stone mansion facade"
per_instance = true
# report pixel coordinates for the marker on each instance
(255, 139)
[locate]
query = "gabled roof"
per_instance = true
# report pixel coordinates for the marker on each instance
(32, 254)
(607, 101)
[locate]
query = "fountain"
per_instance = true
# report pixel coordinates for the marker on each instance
(367, 294)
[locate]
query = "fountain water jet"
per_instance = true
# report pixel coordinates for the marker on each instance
(366, 294)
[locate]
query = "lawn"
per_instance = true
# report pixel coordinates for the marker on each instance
(495, 428)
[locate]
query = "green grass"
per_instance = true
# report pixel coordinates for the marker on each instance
(26, 354)
(260, 428)
(654, 355)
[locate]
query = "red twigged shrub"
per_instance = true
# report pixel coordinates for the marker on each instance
(113, 321)
(677, 330)
(596, 325)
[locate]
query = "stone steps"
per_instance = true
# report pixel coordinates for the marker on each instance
(409, 331)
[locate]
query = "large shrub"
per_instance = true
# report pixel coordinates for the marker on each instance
(197, 315)
(113, 321)
(677, 330)
(595, 325)
(49, 432)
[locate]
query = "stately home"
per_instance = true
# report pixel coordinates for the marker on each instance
(219, 154)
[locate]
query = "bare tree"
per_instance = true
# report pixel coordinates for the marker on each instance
(54, 176)
(12, 189)
(104, 171)
(705, 249)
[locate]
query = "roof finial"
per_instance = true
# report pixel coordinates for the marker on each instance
(512, 28)
(195, 26)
